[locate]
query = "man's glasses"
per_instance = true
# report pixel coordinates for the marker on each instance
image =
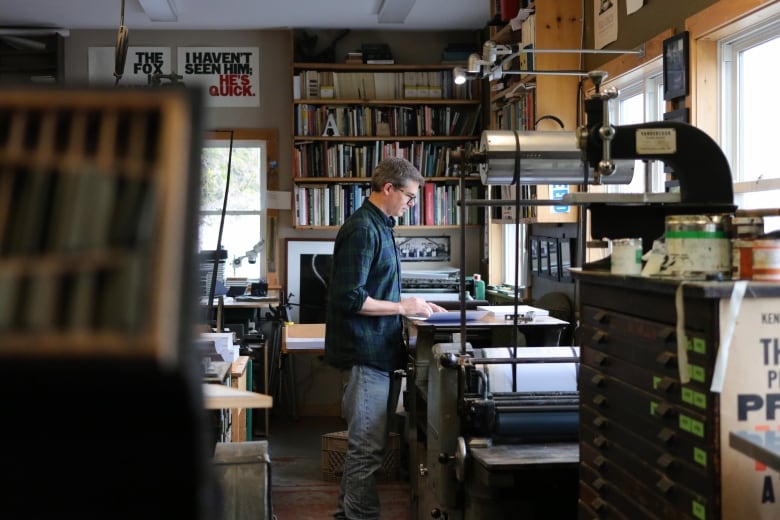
(411, 197)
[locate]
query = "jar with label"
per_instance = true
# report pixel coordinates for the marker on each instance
(626, 256)
(698, 246)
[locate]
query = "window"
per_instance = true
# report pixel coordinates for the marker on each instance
(750, 110)
(243, 229)
(641, 100)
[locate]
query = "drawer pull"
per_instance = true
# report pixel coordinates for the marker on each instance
(600, 441)
(666, 436)
(667, 334)
(599, 484)
(601, 317)
(600, 462)
(600, 422)
(597, 380)
(600, 401)
(664, 410)
(602, 360)
(667, 384)
(599, 337)
(665, 461)
(666, 359)
(665, 486)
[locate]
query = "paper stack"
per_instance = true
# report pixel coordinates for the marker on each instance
(508, 311)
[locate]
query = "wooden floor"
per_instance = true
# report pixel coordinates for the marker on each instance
(298, 490)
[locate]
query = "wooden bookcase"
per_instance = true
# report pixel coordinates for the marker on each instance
(553, 25)
(511, 107)
(347, 117)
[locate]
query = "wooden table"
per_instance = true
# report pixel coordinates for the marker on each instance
(298, 338)
(303, 338)
(217, 397)
(238, 416)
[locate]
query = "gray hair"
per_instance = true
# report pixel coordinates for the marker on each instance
(397, 171)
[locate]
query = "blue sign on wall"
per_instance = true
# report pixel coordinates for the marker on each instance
(557, 191)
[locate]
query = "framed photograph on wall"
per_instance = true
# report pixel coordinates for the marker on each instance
(676, 66)
(308, 273)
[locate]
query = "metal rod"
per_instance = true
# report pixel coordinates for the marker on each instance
(518, 361)
(545, 72)
(526, 202)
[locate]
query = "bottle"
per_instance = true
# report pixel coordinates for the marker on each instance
(479, 287)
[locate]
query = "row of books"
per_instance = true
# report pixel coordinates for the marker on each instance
(369, 121)
(332, 204)
(435, 84)
(347, 160)
(518, 112)
(508, 214)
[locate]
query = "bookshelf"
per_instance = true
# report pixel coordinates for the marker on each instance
(96, 221)
(518, 102)
(348, 117)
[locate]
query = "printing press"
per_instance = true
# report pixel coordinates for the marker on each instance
(494, 425)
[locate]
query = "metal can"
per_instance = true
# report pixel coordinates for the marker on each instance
(698, 246)
(626, 256)
(766, 260)
(743, 231)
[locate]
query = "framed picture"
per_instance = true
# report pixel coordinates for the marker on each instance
(676, 66)
(308, 273)
(682, 115)
(423, 249)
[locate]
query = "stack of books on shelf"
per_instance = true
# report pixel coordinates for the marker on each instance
(377, 53)
(354, 58)
(458, 52)
(433, 84)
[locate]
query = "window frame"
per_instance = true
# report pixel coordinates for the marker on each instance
(267, 141)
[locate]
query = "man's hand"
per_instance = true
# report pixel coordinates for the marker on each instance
(418, 308)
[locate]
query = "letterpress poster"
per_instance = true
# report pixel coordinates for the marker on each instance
(229, 75)
(750, 404)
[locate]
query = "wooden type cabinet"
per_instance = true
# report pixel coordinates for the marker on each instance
(348, 117)
(651, 446)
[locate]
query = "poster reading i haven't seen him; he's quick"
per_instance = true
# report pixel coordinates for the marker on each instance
(229, 75)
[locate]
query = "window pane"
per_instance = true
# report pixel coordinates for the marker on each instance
(244, 220)
(239, 235)
(760, 111)
(244, 194)
(632, 111)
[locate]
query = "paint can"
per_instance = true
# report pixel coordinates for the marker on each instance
(626, 256)
(698, 246)
(743, 231)
(766, 260)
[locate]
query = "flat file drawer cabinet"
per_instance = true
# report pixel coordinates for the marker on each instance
(651, 446)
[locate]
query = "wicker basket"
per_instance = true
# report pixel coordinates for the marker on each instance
(334, 450)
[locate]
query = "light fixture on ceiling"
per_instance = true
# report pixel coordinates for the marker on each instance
(394, 11)
(159, 10)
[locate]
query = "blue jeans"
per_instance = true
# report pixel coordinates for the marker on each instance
(369, 400)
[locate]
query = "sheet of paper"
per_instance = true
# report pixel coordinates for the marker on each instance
(633, 6)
